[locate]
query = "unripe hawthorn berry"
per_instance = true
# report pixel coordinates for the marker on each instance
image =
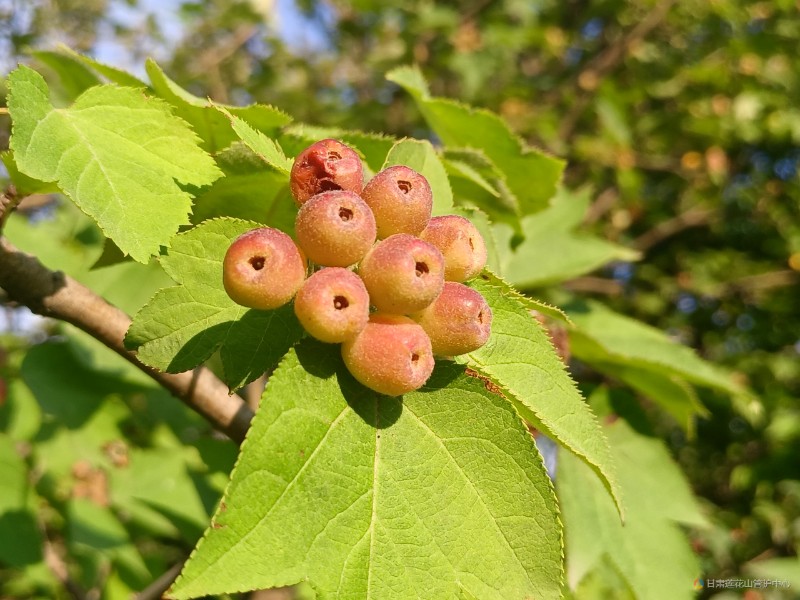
(263, 269)
(401, 199)
(335, 229)
(403, 274)
(392, 355)
(324, 166)
(332, 305)
(460, 243)
(458, 321)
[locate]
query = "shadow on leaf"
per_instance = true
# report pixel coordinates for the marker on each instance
(325, 360)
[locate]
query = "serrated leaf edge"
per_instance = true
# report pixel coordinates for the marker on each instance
(158, 102)
(135, 348)
(531, 303)
(524, 147)
(606, 477)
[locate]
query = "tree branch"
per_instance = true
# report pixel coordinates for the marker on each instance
(53, 294)
(595, 285)
(694, 217)
(156, 590)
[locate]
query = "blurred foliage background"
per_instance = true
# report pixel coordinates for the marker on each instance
(679, 120)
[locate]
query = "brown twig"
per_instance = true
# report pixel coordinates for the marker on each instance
(694, 217)
(156, 590)
(604, 202)
(598, 285)
(55, 562)
(210, 61)
(471, 13)
(764, 281)
(53, 294)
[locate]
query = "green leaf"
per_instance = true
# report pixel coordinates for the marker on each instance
(534, 263)
(157, 481)
(421, 156)
(83, 412)
(26, 186)
(649, 551)
(97, 534)
(373, 147)
(440, 494)
(671, 392)
(70, 242)
(213, 127)
(475, 166)
(20, 536)
(183, 326)
(250, 190)
(519, 359)
(265, 148)
(603, 336)
(785, 569)
(112, 74)
(94, 526)
(531, 174)
(116, 153)
(20, 415)
(110, 256)
(548, 310)
(74, 77)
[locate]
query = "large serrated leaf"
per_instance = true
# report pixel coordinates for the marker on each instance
(438, 494)
(519, 358)
(213, 128)
(421, 156)
(116, 153)
(183, 326)
(531, 174)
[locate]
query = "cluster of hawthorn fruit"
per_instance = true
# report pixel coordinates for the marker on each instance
(413, 276)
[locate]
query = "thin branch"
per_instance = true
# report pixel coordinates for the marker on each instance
(57, 565)
(53, 294)
(473, 11)
(210, 61)
(604, 202)
(764, 281)
(694, 217)
(156, 590)
(598, 285)
(218, 54)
